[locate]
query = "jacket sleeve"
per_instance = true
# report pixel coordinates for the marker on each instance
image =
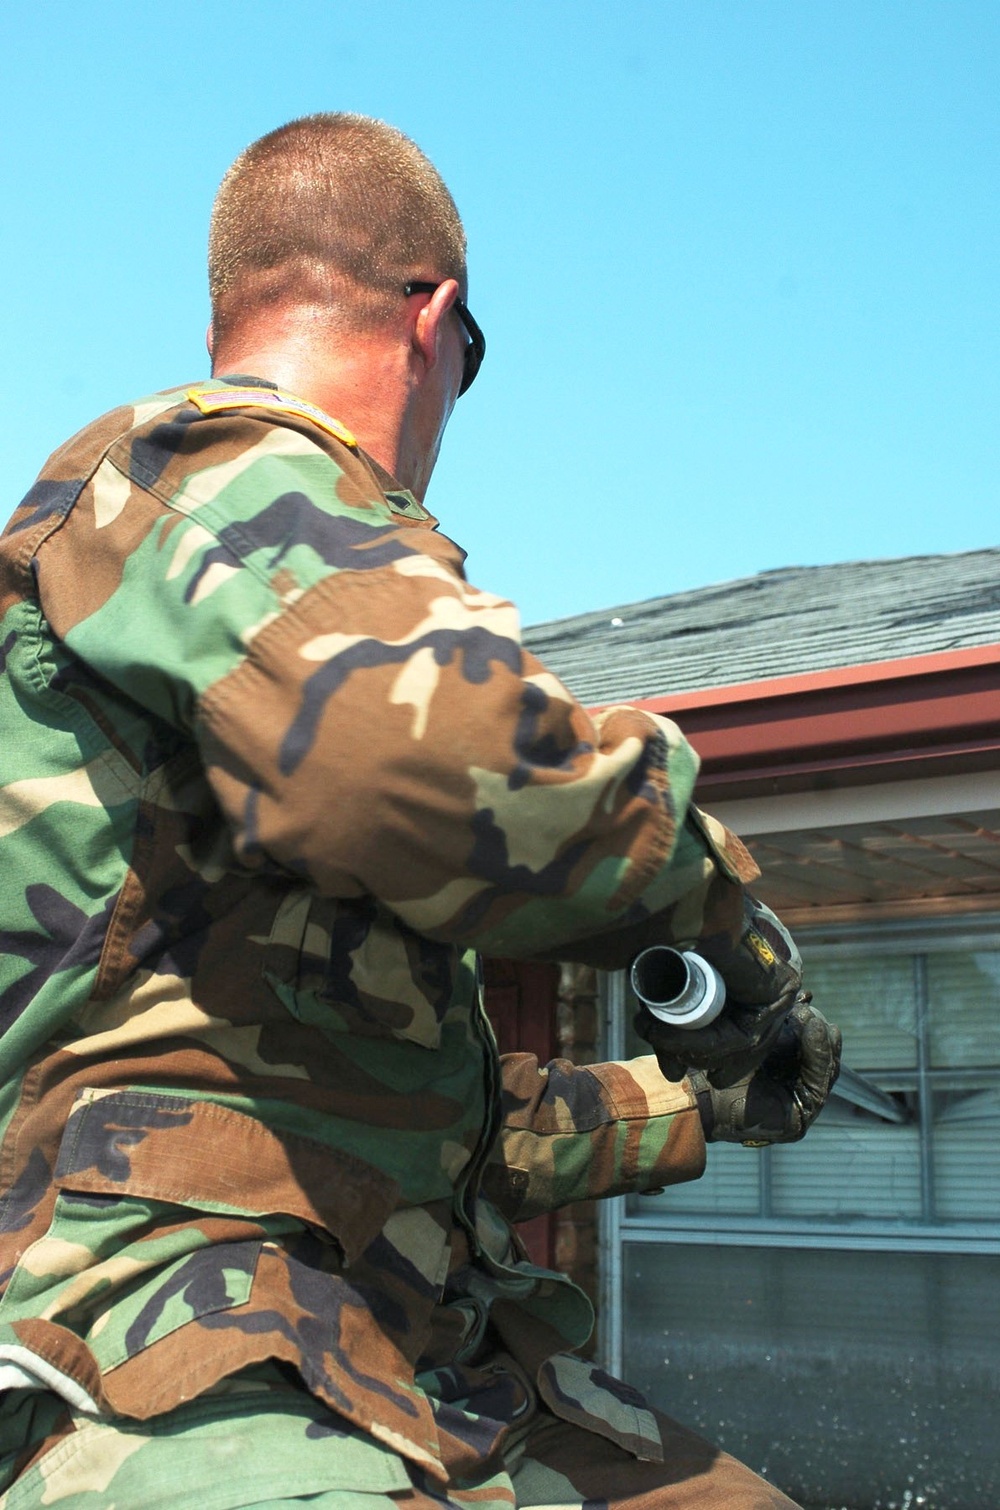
(389, 735)
(370, 722)
(574, 1133)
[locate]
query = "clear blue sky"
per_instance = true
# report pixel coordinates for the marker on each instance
(736, 260)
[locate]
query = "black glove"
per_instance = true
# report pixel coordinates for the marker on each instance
(727, 1049)
(778, 1101)
(763, 976)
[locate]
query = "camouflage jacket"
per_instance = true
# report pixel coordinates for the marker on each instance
(271, 771)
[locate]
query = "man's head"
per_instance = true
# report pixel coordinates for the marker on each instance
(335, 213)
(337, 270)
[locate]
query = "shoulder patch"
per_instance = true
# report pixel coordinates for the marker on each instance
(217, 400)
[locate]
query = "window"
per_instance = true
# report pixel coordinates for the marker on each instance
(830, 1309)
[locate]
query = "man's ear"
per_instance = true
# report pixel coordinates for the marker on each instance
(209, 340)
(428, 326)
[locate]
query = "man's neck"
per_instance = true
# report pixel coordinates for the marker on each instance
(387, 384)
(359, 388)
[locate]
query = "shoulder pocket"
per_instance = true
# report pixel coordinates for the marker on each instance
(731, 855)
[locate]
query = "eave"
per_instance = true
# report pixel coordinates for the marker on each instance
(887, 720)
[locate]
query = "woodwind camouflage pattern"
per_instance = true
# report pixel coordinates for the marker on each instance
(253, 1441)
(271, 771)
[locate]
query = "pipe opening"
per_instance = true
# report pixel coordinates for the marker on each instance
(660, 975)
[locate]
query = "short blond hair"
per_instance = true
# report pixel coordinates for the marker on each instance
(334, 210)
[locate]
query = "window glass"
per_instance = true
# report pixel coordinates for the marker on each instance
(963, 996)
(967, 1154)
(843, 1377)
(851, 1164)
(873, 1002)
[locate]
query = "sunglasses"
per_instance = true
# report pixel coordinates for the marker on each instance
(476, 348)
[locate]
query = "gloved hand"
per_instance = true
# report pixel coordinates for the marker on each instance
(778, 1101)
(763, 975)
(727, 1049)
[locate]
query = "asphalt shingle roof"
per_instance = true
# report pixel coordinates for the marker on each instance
(778, 623)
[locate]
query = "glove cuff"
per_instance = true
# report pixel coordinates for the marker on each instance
(703, 1100)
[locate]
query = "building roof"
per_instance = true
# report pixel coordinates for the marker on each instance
(779, 623)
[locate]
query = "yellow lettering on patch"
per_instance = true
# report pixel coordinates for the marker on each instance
(218, 400)
(760, 947)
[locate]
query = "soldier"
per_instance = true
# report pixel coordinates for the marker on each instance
(272, 773)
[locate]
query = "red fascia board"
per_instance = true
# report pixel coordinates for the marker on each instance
(826, 719)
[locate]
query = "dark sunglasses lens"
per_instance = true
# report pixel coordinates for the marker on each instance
(473, 361)
(474, 351)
